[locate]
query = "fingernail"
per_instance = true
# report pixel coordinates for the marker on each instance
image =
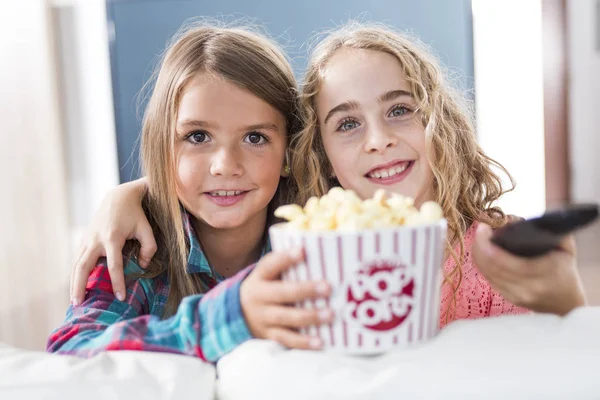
(325, 315)
(322, 288)
(120, 296)
(315, 343)
(74, 301)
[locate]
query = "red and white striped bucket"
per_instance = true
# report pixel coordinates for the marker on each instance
(386, 283)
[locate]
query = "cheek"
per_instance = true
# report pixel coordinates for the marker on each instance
(416, 140)
(413, 135)
(188, 172)
(336, 154)
(345, 162)
(265, 168)
(426, 174)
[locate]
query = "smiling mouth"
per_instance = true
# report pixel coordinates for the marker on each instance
(389, 171)
(226, 198)
(226, 193)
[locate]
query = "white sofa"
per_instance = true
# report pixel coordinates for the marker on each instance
(517, 357)
(113, 375)
(521, 357)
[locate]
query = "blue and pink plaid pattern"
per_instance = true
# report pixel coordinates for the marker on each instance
(206, 325)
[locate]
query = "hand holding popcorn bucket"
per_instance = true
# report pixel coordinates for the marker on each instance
(383, 259)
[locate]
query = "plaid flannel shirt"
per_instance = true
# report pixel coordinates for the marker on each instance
(205, 325)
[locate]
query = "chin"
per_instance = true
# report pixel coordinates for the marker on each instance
(224, 223)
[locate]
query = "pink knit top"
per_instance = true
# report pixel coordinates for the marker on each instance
(475, 297)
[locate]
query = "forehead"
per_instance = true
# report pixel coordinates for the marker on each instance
(210, 96)
(358, 74)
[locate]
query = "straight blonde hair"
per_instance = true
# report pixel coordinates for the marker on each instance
(240, 56)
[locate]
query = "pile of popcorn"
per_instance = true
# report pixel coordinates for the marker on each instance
(343, 210)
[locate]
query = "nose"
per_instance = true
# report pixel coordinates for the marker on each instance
(379, 137)
(226, 162)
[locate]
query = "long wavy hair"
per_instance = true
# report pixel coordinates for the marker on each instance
(465, 183)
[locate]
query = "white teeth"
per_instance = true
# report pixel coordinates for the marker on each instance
(386, 173)
(226, 193)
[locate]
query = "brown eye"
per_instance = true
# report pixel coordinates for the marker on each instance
(198, 137)
(256, 139)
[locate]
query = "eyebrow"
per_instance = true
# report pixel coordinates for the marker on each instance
(394, 94)
(347, 106)
(193, 123)
(266, 126)
(353, 105)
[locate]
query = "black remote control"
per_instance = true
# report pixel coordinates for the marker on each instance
(537, 236)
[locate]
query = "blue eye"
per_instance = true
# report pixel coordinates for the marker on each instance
(256, 139)
(347, 125)
(398, 111)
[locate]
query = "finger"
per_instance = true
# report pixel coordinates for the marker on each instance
(292, 317)
(495, 262)
(294, 340)
(114, 258)
(145, 236)
(284, 292)
(273, 264)
(568, 245)
(81, 274)
(483, 249)
(82, 250)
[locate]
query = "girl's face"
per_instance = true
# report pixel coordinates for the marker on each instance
(230, 148)
(372, 137)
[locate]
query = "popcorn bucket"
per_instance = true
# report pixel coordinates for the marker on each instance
(386, 283)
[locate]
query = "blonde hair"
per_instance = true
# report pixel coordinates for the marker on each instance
(240, 56)
(465, 184)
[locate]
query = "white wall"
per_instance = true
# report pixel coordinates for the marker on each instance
(86, 89)
(584, 99)
(509, 96)
(58, 154)
(34, 244)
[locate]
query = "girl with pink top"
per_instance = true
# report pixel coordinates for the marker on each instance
(378, 113)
